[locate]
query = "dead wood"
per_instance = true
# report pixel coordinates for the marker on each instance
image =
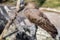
(7, 26)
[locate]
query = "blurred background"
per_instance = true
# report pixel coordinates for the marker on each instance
(40, 3)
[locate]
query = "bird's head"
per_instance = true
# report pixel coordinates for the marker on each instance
(30, 5)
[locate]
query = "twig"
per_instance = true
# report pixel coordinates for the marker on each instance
(7, 26)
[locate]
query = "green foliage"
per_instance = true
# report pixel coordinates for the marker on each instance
(52, 3)
(47, 3)
(41, 3)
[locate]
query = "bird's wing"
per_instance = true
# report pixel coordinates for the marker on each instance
(40, 19)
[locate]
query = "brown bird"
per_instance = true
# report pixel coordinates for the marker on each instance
(38, 18)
